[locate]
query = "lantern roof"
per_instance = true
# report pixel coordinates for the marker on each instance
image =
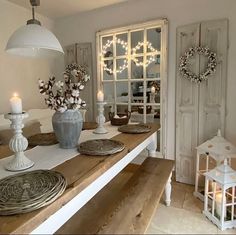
(218, 147)
(222, 174)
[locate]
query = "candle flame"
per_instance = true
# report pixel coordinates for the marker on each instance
(15, 94)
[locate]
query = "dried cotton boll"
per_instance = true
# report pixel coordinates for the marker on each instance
(86, 78)
(62, 109)
(75, 93)
(81, 87)
(74, 72)
(59, 84)
(83, 104)
(40, 82)
(71, 100)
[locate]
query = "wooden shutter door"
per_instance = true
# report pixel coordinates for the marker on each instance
(84, 57)
(70, 54)
(200, 109)
(213, 91)
(81, 53)
(186, 107)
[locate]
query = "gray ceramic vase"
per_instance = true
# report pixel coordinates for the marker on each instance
(67, 127)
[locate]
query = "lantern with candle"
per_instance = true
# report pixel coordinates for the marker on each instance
(209, 155)
(219, 199)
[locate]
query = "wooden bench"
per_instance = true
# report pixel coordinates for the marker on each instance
(127, 203)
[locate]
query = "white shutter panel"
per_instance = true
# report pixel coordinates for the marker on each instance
(186, 108)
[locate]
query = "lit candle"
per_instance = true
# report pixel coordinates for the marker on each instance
(100, 96)
(153, 89)
(16, 104)
(218, 200)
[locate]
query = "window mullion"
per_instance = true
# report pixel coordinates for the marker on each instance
(144, 76)
(129, 70)
(114, 72)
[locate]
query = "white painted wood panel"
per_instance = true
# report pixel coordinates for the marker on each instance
(70, 54)
(84, 57)
(200, 109)
(186, 108)
(81, 53)
(213, 91)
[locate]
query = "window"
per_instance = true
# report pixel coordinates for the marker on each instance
(132, 72)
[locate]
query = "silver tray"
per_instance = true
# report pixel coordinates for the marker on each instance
(134, 128)
(100, 147)
(28, 191)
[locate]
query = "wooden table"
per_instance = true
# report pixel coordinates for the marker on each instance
(86, 175)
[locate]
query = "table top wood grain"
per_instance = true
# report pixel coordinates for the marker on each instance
(79, 172)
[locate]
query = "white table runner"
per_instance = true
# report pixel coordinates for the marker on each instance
(48, 157)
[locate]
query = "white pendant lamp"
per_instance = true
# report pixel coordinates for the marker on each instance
(33, 40)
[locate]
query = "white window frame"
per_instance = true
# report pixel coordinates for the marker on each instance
(160, 23)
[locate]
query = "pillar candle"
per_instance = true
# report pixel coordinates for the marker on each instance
(218, 200)
(153, 89)
(16, 104)
(100, 96)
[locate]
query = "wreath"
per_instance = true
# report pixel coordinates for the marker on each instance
(184, 64)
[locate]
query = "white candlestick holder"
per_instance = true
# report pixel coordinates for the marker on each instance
(152, 100)
(18, 143)
(100, 119)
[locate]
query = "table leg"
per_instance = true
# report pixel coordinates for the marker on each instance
(168, 191)
(152, 146)
(197, 173)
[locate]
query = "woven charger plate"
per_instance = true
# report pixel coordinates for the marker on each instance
(43, 139)
(28, 191)
(134, 128)
(100, 147)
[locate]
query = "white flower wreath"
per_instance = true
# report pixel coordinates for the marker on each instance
(210, 68)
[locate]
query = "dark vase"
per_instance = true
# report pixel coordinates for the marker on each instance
(67, 127)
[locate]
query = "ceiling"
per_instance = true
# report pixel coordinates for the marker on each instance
(61, 8)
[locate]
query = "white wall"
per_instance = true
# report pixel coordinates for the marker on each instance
(82, 28)
(18, 74)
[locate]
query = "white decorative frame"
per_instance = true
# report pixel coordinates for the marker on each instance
(163, 25)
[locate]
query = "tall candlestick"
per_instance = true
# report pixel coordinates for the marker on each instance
(100, 96)
(18, 143)
(16, 104)
(100, 119)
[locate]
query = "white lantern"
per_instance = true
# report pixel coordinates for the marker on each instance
(219, 198)
(213, 152)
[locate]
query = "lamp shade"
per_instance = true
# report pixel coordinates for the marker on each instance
(33, 40)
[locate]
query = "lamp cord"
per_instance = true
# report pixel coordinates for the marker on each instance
(34, 3)
(33, 13)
